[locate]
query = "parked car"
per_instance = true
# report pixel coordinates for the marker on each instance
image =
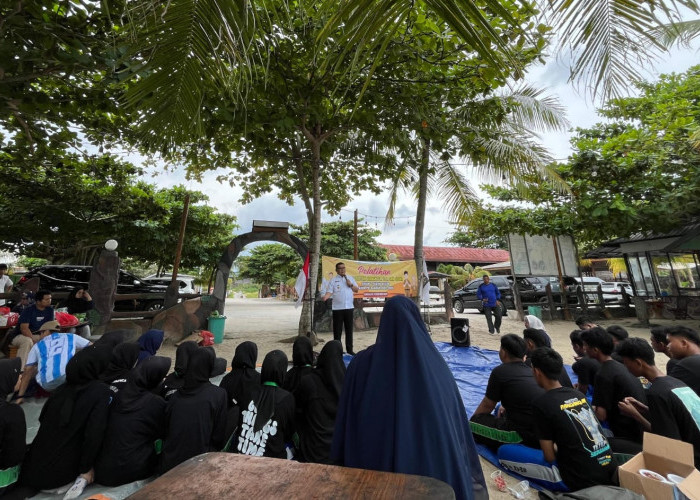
(612, 290)
(436, 294)
(590, 286)
(534, 288)
(465, 297)
(64, 278)
(186, 281)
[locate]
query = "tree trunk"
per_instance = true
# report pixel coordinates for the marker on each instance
(314, 218)
(420, 211)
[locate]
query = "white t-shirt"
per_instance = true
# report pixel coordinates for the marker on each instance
(4, 281)
(52, 354)
(341, 293)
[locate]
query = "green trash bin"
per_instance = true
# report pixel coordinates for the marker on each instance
(216, 326)
(531, 310)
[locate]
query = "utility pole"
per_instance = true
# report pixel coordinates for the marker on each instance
(356, 252)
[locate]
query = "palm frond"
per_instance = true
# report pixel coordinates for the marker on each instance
(402, 181)
(609, 40)
(458, 197)
(367, 23)
(190, 46)
(534, 110)
(678, 33)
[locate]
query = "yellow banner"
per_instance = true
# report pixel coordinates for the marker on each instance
(375, 279)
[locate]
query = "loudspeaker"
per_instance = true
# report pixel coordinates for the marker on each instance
(460, 332)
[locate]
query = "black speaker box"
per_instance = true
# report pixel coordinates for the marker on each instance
(460, 332)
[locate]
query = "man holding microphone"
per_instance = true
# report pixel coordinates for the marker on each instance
(342, 288)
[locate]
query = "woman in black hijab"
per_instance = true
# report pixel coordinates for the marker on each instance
(196, 414)
(243, 381)
(241, 384)
(317, 403)
(302, 359)
(268, 421)
(78, 301)
(72, 425)
(136, 421)
(176, 380)
(13, 426)
(123, 360)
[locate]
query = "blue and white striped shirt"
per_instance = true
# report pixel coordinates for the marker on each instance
(51, 355)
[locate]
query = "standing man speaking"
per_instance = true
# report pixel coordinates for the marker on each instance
(342, 288)
(490, 295)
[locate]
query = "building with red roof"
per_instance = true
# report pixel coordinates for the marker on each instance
(450, 255)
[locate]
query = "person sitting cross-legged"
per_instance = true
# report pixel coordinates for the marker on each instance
(567, 428)
(613, 383)
(584, 367)
(47, 360)
(671, 408)
(513, 385)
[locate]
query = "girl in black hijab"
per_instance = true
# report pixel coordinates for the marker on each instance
(78, 301)
(13, 427)
(241, 384)
(243, 381)
(196, 414)
(123, 360)
(72, 425)
(317, 402)
(136, 421)
(268, 421)
(302, 359)
(176, 380)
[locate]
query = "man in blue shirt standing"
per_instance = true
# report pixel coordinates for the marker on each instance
(489, 294)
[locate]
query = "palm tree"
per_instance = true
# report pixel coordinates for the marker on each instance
(498, 145)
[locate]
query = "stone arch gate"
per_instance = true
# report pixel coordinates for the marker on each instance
(181, 319)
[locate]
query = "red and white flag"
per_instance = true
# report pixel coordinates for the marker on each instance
(302, 279)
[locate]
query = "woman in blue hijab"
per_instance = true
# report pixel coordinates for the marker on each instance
(150, 342)
(400, 410)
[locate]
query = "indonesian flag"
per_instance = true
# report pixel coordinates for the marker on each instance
(300, 285)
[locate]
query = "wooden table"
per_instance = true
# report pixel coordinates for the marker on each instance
(229, 475)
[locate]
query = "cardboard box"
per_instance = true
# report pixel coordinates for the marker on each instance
(665, 456)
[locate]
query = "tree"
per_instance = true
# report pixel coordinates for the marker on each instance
(275, 263)
(270, 264)
(337, 240)
(63, 207)
(460, 276)
(466, 239)
(639, 173)
(59, 60)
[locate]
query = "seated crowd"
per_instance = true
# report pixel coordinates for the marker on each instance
(584, 432)
(115, 415)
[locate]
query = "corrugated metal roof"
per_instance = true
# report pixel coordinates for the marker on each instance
(451, 254)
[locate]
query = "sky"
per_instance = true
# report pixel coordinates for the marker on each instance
(581, 112)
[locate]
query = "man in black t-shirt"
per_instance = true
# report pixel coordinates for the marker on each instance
(670, 403)
(584, 367)
(684, 345)
(513, 385)
(613, 383)
(567, 427)
(534, 339)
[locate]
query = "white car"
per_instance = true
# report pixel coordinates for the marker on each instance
(590, 287)
(186, 281)
(612, 290)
